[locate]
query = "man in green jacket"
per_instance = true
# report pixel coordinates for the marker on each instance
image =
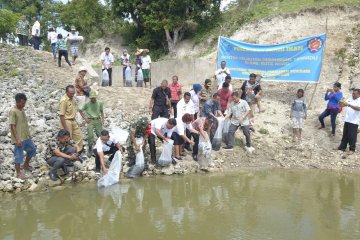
(93, 114)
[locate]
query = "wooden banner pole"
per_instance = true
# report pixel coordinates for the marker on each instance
(317, 84)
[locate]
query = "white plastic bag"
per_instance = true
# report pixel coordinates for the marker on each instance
(113, 174)
(226, 127)
(105, 78)
(139, 166)
(165, 157)
(204, 158)
(140, 76)
(218, 134)
(120, 135)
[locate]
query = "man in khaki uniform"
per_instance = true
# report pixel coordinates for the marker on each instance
(68, 109)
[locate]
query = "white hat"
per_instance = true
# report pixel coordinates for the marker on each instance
(73, 28)
(82, 68)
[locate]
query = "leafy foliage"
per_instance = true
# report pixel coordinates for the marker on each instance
(86, 15)
(154, 19)
(8, 22)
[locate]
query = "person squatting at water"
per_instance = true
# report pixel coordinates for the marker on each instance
(163, 129)
(179, 135)
(60, 154)
(106, 144)
(137, 130)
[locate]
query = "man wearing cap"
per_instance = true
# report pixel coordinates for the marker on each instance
(68, 110)
(125, 62)
(81, 85)
(74, 44)
(93, 114)
(205, 94)
(107, 59)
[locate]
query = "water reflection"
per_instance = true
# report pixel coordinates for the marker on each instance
(244, 205)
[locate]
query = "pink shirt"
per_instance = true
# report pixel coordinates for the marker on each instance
(199, 123)
(225, 98)
(174, 89)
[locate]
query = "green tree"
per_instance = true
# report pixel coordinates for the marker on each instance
(26, 7)
(87, 16)
(8, 22)
(171, 17)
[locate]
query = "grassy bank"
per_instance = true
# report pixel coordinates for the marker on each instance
(238, 15)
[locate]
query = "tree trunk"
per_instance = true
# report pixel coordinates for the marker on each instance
(178, 34)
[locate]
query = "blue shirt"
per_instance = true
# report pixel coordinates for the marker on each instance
(210, 107)
(334, 99)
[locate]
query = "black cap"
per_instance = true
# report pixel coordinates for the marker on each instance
(207, 81)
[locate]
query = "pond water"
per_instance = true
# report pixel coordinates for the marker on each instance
(271, 204)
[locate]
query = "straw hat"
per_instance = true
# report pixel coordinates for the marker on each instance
(139, 51)
(82, 68)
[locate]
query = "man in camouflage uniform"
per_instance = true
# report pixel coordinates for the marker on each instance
(60, 153)
(137, 130)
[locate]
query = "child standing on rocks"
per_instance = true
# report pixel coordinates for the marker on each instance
(20, 135)
(298, 114)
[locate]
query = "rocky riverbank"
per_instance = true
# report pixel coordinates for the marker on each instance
(30, 72)
(33, 72)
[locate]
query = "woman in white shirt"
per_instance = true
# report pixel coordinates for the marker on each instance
(195, 98)
(52, 37)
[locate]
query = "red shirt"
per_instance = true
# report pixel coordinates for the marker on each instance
(175, 89)
(225, 98)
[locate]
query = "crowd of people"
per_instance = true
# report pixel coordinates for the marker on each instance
(183, 116)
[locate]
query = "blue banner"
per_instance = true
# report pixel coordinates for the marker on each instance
(298, 61)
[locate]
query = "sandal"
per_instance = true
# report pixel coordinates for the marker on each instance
(28, 168)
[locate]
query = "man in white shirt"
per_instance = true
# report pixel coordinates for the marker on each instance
(352, 121)
(146, 66)
(185, 105)
(106, 144)
(35, 33)
(163, 129)
(107, 59)
(221, 73)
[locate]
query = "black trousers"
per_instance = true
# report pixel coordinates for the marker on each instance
(110, 75)
(153, 147)
(349, 136)
(173, 105)
(159, 111)
(196, 145)
(188, 135)
(36, 42)
(23, 40)
(111, 152)
(66, 55)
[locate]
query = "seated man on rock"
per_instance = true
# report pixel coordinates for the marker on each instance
(60, 153)
(163, 129)
(106, 144)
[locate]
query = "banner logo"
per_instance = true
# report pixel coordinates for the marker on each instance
(314, 45)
